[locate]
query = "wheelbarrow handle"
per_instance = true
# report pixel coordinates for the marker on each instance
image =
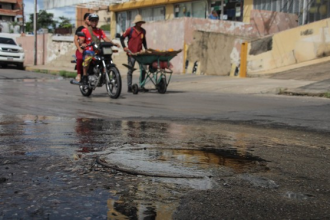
(128, 51)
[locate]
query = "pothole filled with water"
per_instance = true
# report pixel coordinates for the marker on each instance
(184, 162)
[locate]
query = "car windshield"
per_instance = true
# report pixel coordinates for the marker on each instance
(4, 40)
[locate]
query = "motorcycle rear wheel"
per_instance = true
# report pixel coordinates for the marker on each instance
(114, 85)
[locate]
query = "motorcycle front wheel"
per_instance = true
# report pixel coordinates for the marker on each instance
(85, 90)
(114, 84)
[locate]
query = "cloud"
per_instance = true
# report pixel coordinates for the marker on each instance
(68, 12)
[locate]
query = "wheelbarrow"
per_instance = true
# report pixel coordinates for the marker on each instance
(156, 66)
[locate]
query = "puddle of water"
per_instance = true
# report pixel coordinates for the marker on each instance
(182, 162)
(259, 181)
(297, 196)
(137, 145)
(150, 202)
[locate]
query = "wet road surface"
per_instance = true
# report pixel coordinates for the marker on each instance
(225, 168)
(49, 169)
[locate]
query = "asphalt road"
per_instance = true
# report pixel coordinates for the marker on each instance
(188, 97)
(258, 155)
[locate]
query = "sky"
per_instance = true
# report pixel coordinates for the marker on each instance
(68, 12)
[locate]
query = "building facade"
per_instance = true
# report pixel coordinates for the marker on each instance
(232, 10)
(161, 10)
(11, 11)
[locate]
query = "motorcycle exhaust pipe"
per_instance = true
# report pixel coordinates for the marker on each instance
(74, 82)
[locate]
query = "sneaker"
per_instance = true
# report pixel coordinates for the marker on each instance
(78, 77)
(144, 89)
(129, 89)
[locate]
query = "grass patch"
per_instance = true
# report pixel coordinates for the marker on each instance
(62, 73)
(327, 94)
(281, 91)
(67, 74)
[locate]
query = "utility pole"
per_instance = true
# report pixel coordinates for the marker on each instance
(23, 29)
(35, 31)
(222, 8)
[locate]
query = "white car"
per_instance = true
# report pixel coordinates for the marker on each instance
(11, 53)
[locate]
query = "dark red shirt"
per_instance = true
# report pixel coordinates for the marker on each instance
(135, 42)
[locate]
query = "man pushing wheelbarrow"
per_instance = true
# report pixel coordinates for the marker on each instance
(136, 38)
(154, 65)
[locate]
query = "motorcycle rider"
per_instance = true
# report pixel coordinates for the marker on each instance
(80, 50)
(92, 34)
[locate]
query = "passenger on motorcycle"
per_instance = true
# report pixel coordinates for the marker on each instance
(92, 34)
(80, 46)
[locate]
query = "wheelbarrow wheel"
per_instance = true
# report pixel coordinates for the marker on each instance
(162, 87)
(135, 89)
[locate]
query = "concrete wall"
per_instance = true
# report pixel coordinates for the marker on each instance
(270, 22)
(289, 47)
(164, 35)
(216, 53)
(27, 43)
(212, 53)
(179, 34)
(48, 49)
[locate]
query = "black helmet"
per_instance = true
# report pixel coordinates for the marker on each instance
(93, 17)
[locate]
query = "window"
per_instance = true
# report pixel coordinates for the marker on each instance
(232, 10)
(159, 14)
(153, 14)
(195, 9)
(121, 22)
(198, 9)
(4, 40)
(125, 19)
(146, 14)
(307, 10)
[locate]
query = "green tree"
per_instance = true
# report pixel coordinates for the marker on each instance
(28, 27)
(44, 20)
(64, 22)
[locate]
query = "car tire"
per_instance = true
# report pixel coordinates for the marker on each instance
(20, 66)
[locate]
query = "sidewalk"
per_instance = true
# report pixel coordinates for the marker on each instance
(312, 80)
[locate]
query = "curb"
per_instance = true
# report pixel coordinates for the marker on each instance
(295, 93)
(63, 73)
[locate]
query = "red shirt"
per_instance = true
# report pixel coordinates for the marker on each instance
(136, 40)
(99, 33)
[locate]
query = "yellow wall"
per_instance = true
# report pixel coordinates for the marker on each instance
(293, 46)
(142, 4)
(113, 24)
(248, 6)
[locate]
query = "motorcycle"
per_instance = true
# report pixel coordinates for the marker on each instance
(102, 71)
